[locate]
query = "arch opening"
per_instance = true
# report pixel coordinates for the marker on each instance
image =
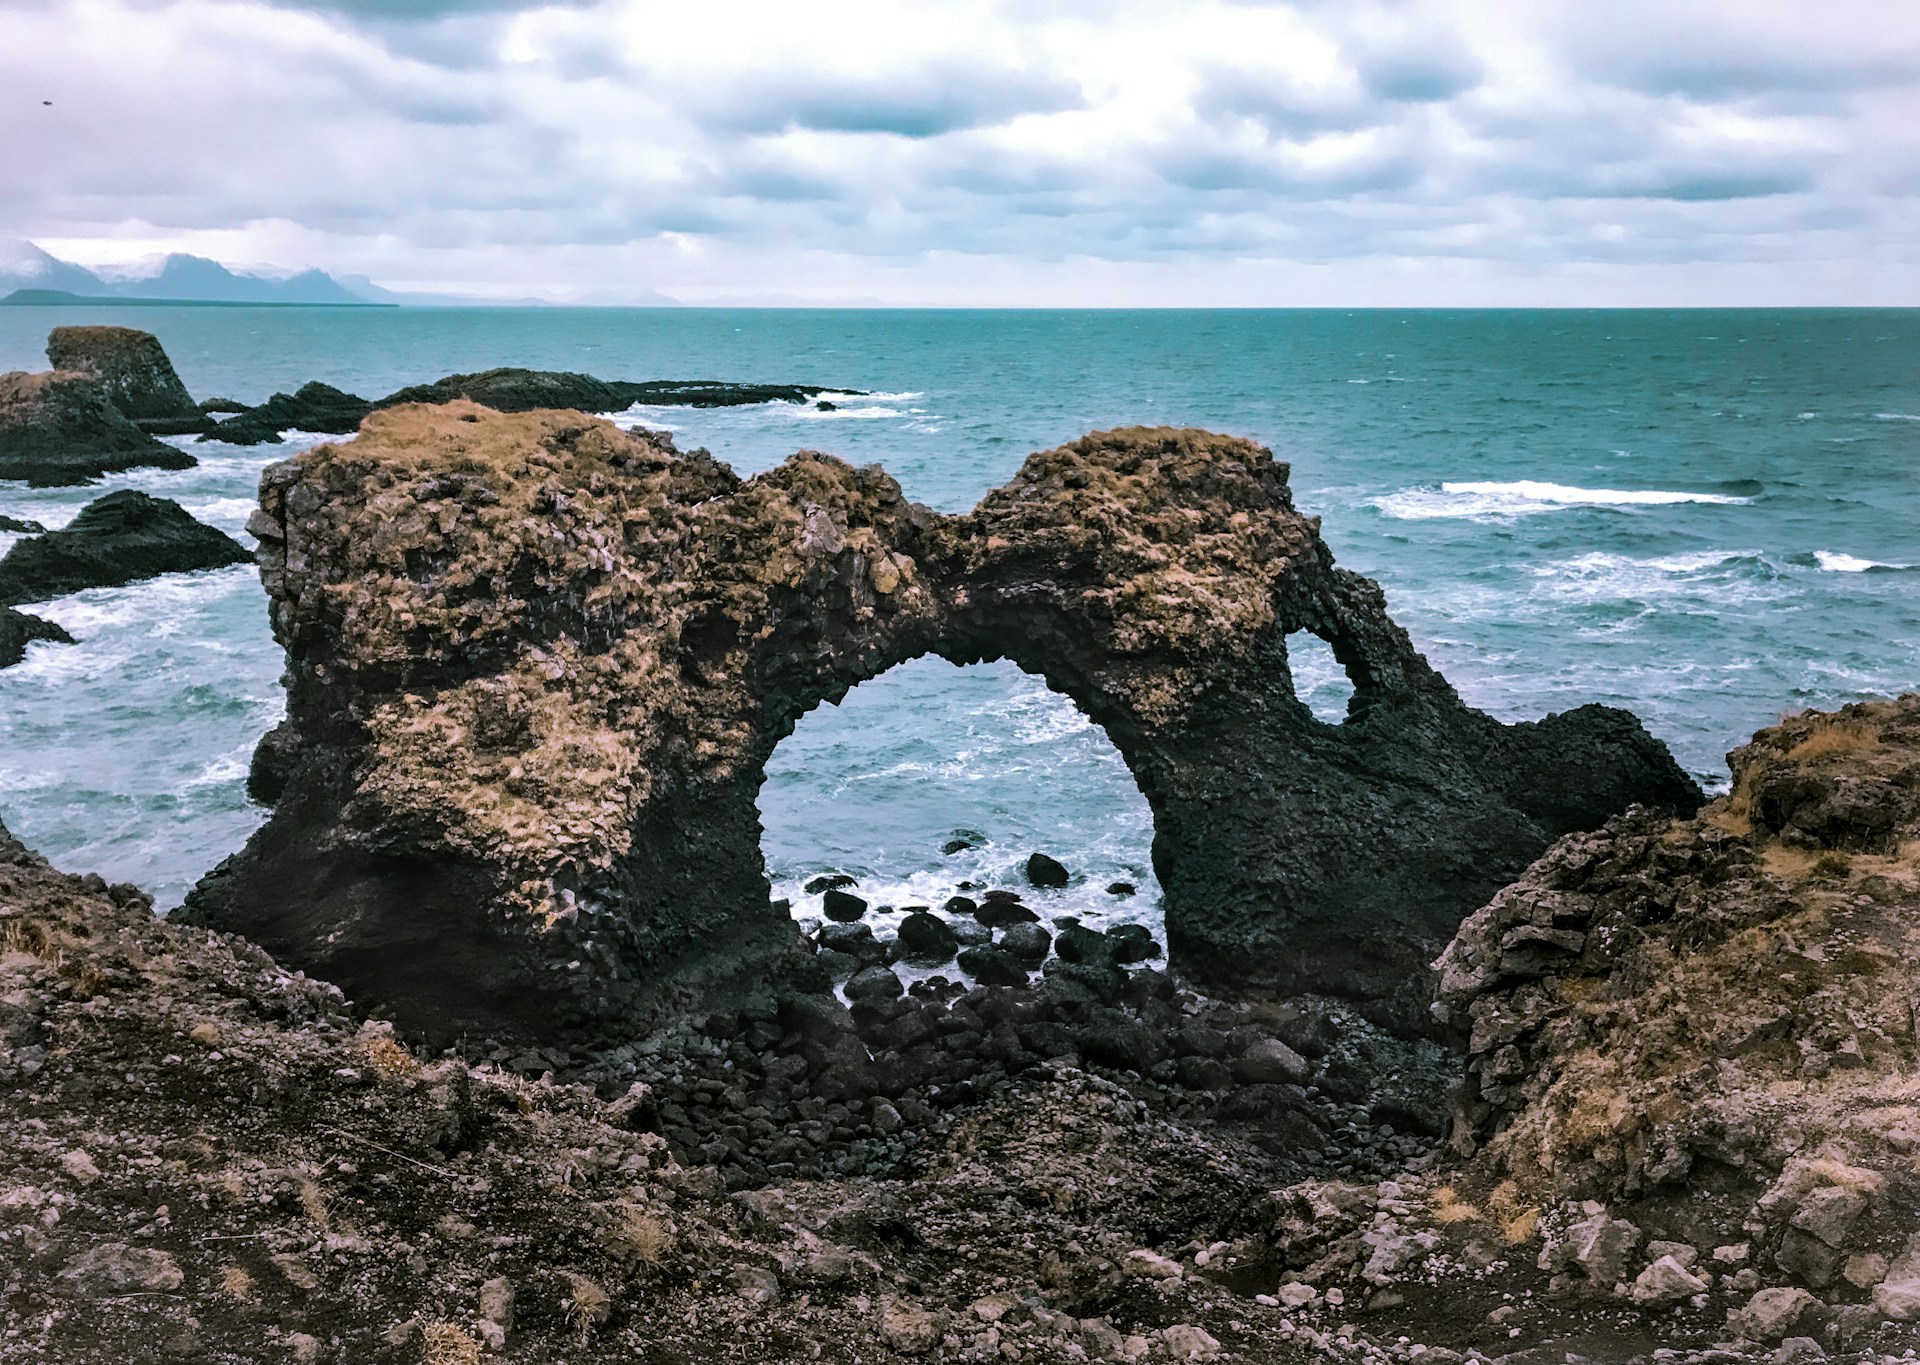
(1320, 680)
(934, 780)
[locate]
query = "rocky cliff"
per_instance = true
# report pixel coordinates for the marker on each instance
(1706, 1027)
(536, 666)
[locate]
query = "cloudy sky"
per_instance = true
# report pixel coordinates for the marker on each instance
(1048, 152)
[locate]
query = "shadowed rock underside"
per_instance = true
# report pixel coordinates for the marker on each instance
(536, 666)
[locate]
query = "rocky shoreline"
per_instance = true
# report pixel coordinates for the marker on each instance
(213, 1158)
(1466, 1041)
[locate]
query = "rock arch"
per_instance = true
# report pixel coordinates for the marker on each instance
(536, 666)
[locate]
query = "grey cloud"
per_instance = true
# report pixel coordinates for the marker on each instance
(911, 104)
(1420, 75)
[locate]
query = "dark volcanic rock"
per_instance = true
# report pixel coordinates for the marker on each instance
(120, 538)
(133, 371)
(59, 428)
(32, 528)
(538, 665)
(1028, 942)
(829, 881)
(992, 966)
(1045, 871)
(18, 630)
(927, 938)
(313, 407)
(841, 906)
(518, 390)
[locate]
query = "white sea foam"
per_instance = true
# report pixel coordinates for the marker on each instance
(808, 414)
(1524, 497)
(1896, 417)
(1836, 562)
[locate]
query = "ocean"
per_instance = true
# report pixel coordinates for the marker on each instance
(1707, 517)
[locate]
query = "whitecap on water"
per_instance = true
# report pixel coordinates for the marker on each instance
(1836, 562)
(1524, 497)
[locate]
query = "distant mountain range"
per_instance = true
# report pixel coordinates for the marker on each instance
(183, 279)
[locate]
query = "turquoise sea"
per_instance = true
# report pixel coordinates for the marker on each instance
(1709, 517)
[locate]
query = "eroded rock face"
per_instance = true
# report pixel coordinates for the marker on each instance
(133, 370)
(536, 666)
(1709, 1024)
(58, 427)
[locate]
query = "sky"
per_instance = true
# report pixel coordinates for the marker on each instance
(972, 153)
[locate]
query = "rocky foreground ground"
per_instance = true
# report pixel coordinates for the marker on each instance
(1685, 1125)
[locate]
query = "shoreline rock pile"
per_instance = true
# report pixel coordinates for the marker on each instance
(213, 1158)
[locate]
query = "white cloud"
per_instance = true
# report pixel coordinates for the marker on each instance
(980, 152)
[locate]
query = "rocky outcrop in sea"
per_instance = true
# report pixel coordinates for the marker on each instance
(120, 538)
(537, 665)
(60, 427)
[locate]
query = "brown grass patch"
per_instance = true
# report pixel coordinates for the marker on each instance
(446, 1344)
(639, 1234)
(1836, 737)
(389, 1058)
(1449, 1207)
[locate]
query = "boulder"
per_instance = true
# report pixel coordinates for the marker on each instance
(926, 938)
(1028, 942)
(133, 371)
(548, 796)
(18, 630)
(1270, 1062)
(1773, 1313)
(873, 985)
(1043, 871)
(1666, 1281)
(991, 966)
(842, 907)
(120, 538)
(58, 427)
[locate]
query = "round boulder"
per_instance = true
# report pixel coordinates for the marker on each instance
(1045, 871)
(1028, 942)
(841, 907)
(927, 938)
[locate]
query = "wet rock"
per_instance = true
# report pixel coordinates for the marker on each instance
(1107, 1037)
(120, 538)
(31, 528)
(926, 937)
(133, 372)
(1132, 943)
(871, 984)
(1077, 943)
(992, 966)
(855, 940)
(959, 844)
(969, 932)
(960, 905)
(1043, 871)
(1028, 942)
(1003, 913)
(60, 428)
(18, 630)
(1120, 888)
(829, 881)
(511, 389)
(841, 906)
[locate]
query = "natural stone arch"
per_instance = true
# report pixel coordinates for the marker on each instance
(537, 666)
